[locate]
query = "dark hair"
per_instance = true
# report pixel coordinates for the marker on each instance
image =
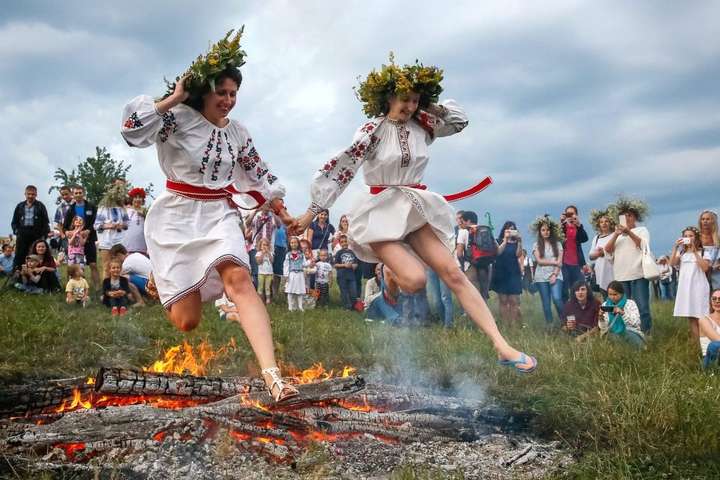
(5, 245)
(47, 258)
(118, 249)
(64, 187)
(78, 187)
(579, 284)
(506, 225)
(626, 209)
(542, 244)
(31, 187)
(617, 287)
(573, 207)
(470, 216)
(195, 100)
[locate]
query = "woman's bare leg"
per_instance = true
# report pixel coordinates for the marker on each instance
(185, 313)
(254, 318)
(433, 252)
(407, 272)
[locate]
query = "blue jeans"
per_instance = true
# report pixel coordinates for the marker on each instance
(379, 309)
(639, 291)
(414, 308)
(666, 291)
(570, 274)
(551, 293)
(441, 297)
(348, 291)
(712, 355)
(253, 267)
(139, 282)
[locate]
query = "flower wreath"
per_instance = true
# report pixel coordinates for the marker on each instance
(225, 53)
(596, 215)
(114, 196)
(393, 79)
(628, 204)
(555, 230)
(137, 192)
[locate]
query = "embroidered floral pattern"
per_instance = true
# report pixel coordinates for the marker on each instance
(232, 157)
(315, 208)
(250, 160)
(271, 179)
(218, 160)
(133, 121)
(206, 154)
(169, 126)
(344, 176)
(403, 135)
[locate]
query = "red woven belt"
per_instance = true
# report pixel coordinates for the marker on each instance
(454, 197)
(209, 194)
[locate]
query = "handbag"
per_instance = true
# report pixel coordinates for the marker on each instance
(650, 269)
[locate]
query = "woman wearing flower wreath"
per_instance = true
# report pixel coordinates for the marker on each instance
(192, 230)
(400, 220)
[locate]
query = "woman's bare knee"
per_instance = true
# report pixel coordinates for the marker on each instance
(412, 281)
(453, 277)
(184, 320)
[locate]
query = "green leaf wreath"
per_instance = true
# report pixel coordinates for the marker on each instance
(596, 215)
(555, 230)
(393, 79)
(626, 204)
(225, 53)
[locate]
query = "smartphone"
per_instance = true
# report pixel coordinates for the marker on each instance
(622, 220)
(607, 308)
(686, 241)
(514, 233)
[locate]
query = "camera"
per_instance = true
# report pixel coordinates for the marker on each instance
(607, 308)
(514, 233)
(686, 241)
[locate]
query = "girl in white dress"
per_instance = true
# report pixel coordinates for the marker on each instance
(134, 239)
(693, 288)
(192, 230)
(400, 223)
(293, 270)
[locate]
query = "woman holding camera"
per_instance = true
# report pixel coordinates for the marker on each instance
(507, 275)
(693, 287)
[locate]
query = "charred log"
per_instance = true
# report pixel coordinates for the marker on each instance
(19, 400)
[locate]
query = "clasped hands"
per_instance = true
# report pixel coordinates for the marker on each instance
(295, 225)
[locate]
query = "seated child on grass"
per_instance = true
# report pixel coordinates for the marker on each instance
(116, 289)
(30, 275)
(77, 289)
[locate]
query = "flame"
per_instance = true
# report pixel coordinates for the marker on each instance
(365, 407)
(70, 448)
(159, 436)
(90, 381)
(183, 358)
(317, 373)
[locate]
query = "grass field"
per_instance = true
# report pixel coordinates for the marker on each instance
(626, 414)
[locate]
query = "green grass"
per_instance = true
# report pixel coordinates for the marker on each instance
(626, 414)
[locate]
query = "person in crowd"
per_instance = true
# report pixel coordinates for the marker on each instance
(81, 207)
(295, 276)
(279, 252)
(77, 290)
(440, 296)
(710, 239)
(604, 225)
(321, 231)
(76, 239)
(7, 259)
(116, 289)
(478, 272)
(323, 277)
(710, 332)
(264, 258)
(693, 288)
(381, 296)
(573, 258)
(400, 222)
(261, 224)
(343, 229)
(30, 275)
(665, 280)
(30, 222)
(134, 238)
(528, 269)
(59, 219)
(345, 264)
(414, 308)
(626, 244)
(111, 223)
(507, 276)
(582, 311)
(49, 277)
(621, 316)
(548, 255)
(137, 268)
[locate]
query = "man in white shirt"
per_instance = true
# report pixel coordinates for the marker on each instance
(137, 268)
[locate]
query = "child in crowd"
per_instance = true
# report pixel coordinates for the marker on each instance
(621, 316)
(137, 268)
(710, 332)
(116, 289)
(77, 237)
(6, 260)
(226, 309)
(295, 276)
(264, 258)
(693, 287)
(345, 263)
(323, 278)
(77, 290)
(30, 275)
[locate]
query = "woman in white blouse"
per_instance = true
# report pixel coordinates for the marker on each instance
(192, 230)
(604, 226)
(400, 220)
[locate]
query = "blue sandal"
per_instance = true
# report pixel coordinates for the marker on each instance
(525, 364)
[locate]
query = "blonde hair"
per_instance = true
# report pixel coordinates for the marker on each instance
(715, 236)
(74, 270)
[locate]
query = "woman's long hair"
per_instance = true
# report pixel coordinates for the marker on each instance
(506, 225)
(715, 236)
(542, 244)
(48, 260)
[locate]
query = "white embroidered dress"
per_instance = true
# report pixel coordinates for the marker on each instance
(187, 238)
(394, 154)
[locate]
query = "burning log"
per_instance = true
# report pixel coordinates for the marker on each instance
(19, 400)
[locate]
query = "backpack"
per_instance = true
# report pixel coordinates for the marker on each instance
(482, 248)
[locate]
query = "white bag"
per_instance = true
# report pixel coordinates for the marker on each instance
(650, 269)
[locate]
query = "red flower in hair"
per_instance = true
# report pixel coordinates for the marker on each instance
(136, 192)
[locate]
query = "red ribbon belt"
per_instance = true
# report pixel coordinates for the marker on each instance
(209, 194)
(454, 197)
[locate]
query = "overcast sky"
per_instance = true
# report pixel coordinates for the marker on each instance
(569, 101)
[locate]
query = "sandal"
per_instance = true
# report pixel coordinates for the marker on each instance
(525, 364)
(284, 390)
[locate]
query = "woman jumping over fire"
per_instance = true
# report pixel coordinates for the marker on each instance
(401, 220)
(193, 230)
